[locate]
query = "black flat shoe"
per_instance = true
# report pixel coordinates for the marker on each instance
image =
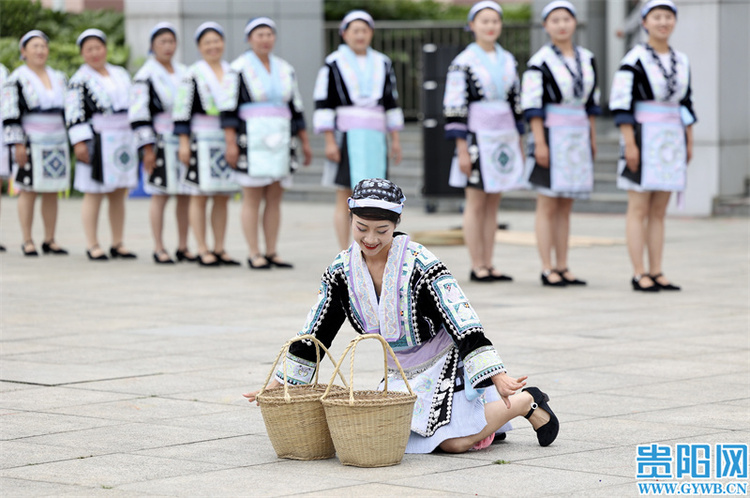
(499, 278)
(226, 262)
(213, 263)
(264, 266)
(115, 252)
(2, 248)
(498, 437)
(31, 252)
(47, 248)
(569, 281)
(101, 257)
(546, 282)
(160, 261)
(638, 287)
(547, 433)
(271, 258)
(667, 287)
(181, 255)
(474, 278)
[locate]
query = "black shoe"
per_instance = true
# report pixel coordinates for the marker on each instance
(115, 252)
(271, 258)
(214, 263)
(31, 252)
(2, 248)
(160, 261)
(101, 257)
(569, 281)
(264, 266)
(498, 437)
(499, 278)
(547, 283)
(547, 433)
(667, 287)
(181, 255)
(47, 248)
(487, 278)
(223, 261)
(638, 287)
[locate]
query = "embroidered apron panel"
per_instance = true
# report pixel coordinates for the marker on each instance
(367, 154)
(119, 158)
(214, 174)
(268, 140)
(571, 162)
(663, 146)
(166, 175)
(500, 160)
(50, 159)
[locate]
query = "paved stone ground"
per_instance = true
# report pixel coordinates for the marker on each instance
(124, 378)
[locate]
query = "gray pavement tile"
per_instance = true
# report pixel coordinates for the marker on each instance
(715, 416)
(621, 431)
(7, 387)
(619, 461)
(162, 384)
(110, 470)
(597, 404)
(20, 453)
(236, 451)
(232, 421)
(376, 489)
(699, 388)
(667, 369)
(145, 409)
(59, 374)
(46, 398)
(124, 437)
(513, 479)
(258, 480)
(34, 488)
(25, 424)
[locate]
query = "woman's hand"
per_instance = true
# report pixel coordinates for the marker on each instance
(507, 386)
(21, 156)
(541, 154)
(632, 156)
(253, 396)
(183, 153)
(333, 153)
(464, 162)
(81, 151)
(232, 154)
(306, 149)
(395, 148)
(149, 159)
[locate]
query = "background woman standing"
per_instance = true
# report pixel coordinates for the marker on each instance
(4, 153)
(96, 113)
(355, 106)
(651, 101)
(33, 99)
(560, 99)
(482, 116)
(150, 114)
(264, 109)
(196, 118)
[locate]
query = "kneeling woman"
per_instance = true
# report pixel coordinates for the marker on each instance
(464, 392)
(196, 121)
(33, 121)
(96, 113)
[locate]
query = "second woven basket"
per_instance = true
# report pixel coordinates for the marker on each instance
(369, 428)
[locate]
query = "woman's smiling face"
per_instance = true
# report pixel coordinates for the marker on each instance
(372, 236)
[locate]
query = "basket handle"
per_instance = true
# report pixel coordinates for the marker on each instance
(353, 347)
(285, 349)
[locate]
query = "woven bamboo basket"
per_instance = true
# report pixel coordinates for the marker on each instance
(369, 428)
(294, 416)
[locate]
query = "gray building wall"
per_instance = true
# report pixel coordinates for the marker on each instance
(299, 39)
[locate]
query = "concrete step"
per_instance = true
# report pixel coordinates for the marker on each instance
(732, 206)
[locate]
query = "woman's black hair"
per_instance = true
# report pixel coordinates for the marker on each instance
(161, 32)
(375, 214)
(203, 33)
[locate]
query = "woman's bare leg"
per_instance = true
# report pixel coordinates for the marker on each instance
(341, 220)
(474, 229)
(251, 199)
(272, 216)
(49, 217)
(497, 415)
(219, 221)
(639, 204)
(655, 232)
(544, 227)
(26, 217)
(156, 214)
(197, 213)
(182, 210)
(562, 234)
(117, 216)
(90, 217)
(489, 229)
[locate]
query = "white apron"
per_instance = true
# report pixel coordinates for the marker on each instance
(118, 154)
(663, 146)
(49, 167)
(571, 163)
(268, 137)
(500, 159)
(166, 176)
(208, 161)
